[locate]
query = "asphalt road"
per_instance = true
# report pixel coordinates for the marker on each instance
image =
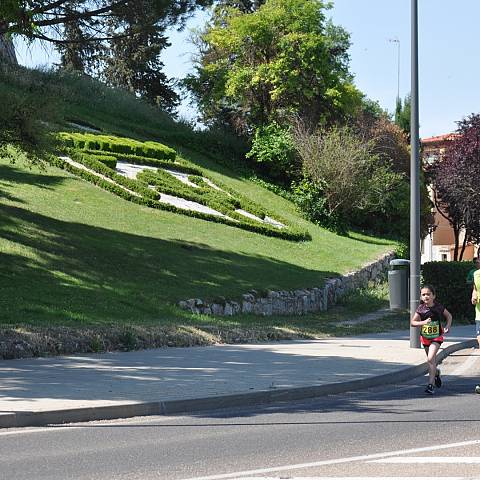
(396, 431)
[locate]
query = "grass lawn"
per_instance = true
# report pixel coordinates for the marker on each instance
(75, 255)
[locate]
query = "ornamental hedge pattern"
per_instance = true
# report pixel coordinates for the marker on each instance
(100, 154)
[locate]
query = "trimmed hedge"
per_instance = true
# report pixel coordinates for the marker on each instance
(109, 160)
(205, 195)
(96, 180)
(154, 162)
(286, 234)
(449, 281)
(110, 143)
(94, 164)
(93, 151)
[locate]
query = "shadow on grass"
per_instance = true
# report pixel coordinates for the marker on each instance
(12, 174)
(67, 273)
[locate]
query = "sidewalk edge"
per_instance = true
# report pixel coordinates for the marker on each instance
(171, 407)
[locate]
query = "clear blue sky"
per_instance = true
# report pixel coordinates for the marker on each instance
(449, 64)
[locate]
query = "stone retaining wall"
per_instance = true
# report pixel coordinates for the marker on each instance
(293, 302)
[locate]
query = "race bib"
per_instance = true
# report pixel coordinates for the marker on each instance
(431, 330)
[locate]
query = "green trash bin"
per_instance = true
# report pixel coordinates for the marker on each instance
(398, 284)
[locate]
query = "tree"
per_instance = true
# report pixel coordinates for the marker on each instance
(402, 115)
(455, 179)
(45, 19)
(122, 37)
(77, 52)
(344, 178)
(245, 6)
(390, 142)
(133, 61)
(284, 59)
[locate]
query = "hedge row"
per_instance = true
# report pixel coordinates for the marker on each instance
(286, 234)
(205, 195)
(252, 207)
(449, 281)
(109, 160)
(154, 162)
(110, 143)
(225, 202)
(96, 165)
(86, 149)
(96, 180)
(216, 200)
(241, 201)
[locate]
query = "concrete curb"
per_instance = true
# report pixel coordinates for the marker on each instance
(171, 407)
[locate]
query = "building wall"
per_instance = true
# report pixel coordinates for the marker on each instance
(440, 244)
(443, 234)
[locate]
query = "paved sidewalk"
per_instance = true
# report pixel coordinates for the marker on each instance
(40, 391)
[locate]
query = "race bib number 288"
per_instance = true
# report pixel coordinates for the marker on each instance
(431, 330)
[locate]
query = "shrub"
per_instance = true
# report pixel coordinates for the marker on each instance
(391, 215)
(311, 201)
(350, 182)
(109, 160)
(449, 280)
(273, 147)
(110, 143)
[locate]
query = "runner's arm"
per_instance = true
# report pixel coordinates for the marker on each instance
(448, 317)
(417, 321)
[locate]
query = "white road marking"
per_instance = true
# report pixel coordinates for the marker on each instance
(356, 478)
(321, 463)
(33, 430)
(429, 460)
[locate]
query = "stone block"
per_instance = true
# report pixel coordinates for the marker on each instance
(247, 307)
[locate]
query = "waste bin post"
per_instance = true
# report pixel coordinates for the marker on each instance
(398, 284)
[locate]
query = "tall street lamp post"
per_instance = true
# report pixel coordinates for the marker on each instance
(414, 181)
(397, 41)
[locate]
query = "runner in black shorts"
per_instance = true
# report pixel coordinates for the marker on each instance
(429, 316)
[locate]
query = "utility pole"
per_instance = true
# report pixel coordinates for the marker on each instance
(414, 181)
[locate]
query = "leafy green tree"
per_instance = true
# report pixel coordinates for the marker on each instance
(283, 59)
(402, 114)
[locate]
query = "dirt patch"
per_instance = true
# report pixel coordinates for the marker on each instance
(26, 341)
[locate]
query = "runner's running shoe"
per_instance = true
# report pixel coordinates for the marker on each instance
(438, 379)
(429, 389)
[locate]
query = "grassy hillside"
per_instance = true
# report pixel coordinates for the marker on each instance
(74, 255)
(71, 252)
